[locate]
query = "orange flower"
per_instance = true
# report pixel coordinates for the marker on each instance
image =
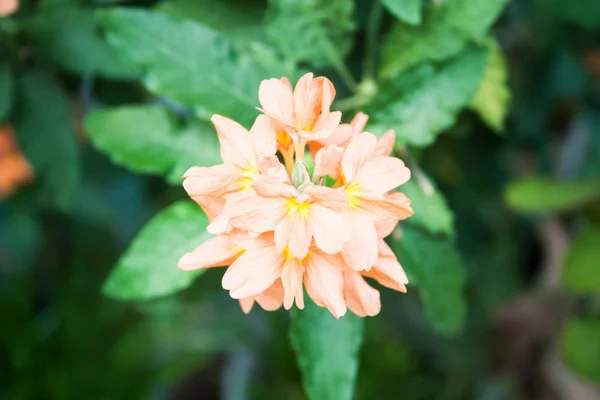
(15, 170)
(281, 228)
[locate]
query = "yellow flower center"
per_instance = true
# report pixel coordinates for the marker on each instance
(353, 192)
(283, 139)
(294, 207)
(287, 256)
(247, 176)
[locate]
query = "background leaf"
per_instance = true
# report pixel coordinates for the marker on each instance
(190, 63)
(43, 126)
(542, 195)
(312, 31)
(148, 268)
(581, 271)
(68, 35)
(327, 351)
(424, 102)
(408, 11)
(583, 12)
(6, 89)
(431, 210)
(147, 139)
(436, 268)
(493, 96)
(581, 347)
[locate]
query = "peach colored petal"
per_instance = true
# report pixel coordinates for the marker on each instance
(360, 251)
(255, 213)
(218, 251)
(282, 234)
(326, 124)
(214, 181)
(262, 137)
(271, 167)
(307, 100)
(8, 7)
(327, 160)
(334, 199)
(219, 225)
(276, 99)
(384, 249)
(291, 278)
(381, 174)
(272, 298)
(385, 227)
(360, 297)
(359, 122)
(327, 95)
(328, 228)
(357, 153)
(236, 148)
(324, 282)
(388, 272)
(300, 236)
(270, 187)
(246, 304)
(253, 272)
(382, 207)
(340, 136)
(385, 144)
(212, 206)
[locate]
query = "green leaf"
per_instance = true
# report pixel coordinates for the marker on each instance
(431, 210)
(239, 21)
(6, 89)
(67, 34)
(581, 347)
(327, 351)
(583, 12)
(435, 266)
(408, 11)
(190, 63)
(581, 271)
(43, 126)
(148, 268)
(492, 97)
(147, 139)
(312, 31)
(424, 102)
(543, 195)
(447, 29)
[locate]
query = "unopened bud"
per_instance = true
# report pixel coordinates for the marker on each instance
(300, 174)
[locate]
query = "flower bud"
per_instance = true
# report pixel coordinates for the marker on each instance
(300, 174)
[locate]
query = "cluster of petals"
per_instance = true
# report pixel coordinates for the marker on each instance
(15, 170)
(283, 227)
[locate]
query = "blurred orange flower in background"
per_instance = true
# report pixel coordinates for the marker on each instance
(15, 170)
(8, 7)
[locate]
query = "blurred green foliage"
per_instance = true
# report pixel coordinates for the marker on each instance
(110, 102)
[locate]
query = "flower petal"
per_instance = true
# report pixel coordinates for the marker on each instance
(246, 304)
(384, 207)
(291, 278)
(276, 99)
(328, 228)
(270, 187)
(360, 251)
(215, 181)
(324, 282)
(272, 168)
(334, 199)
(327, 160)
(251, 212)
(382, 174)
(387, 270)
(253, 272)
(360, 297)
(236, 148)
(357, 153)
(300, 236)
(385, 144)
(218, 251)
(307, 100)
(272, 298)
(262, 137)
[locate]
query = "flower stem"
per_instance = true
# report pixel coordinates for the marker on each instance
(372, 30)
(422, 179)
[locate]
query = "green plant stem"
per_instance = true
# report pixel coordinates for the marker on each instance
(371, 50)
(340, 67)
(350, 103)
(416, 170)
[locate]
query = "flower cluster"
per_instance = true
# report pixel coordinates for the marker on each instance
(315, 221)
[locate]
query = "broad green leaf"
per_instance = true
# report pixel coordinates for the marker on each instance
(43, 125)
(424, 102)
(431, 210)
(581, 346)
(68, 35)
(435, 267)
(327, 351)
(148, 268)
(147, 139)
(190, 63)
(581, 271)
(492, 97)
(6, 90)
(408, 11)
(446, 30)
(537, 194)
(583, 12)
(239, 21)
(312, 31)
